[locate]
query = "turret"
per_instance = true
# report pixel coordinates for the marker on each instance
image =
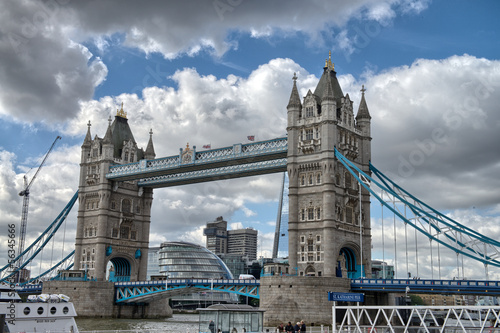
(150, 150)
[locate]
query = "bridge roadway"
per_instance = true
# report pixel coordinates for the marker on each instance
(190, 166)
(142, 291)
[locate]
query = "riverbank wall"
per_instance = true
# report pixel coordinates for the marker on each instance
(95, 299)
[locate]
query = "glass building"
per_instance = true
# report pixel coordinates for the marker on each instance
(280, 246)
(182, 260)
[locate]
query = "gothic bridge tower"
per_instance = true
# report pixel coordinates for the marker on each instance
(324, 205)
(113, 217)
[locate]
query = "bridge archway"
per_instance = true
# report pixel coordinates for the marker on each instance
(347, 264)
(118, 269)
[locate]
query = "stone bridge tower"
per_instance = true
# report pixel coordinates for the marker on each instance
(113, 217)
(324, 206)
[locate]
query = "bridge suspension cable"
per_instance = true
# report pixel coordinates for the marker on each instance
(436, 226)
(16, 265)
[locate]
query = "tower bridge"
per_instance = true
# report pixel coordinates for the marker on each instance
(326, 205)
(326, 155)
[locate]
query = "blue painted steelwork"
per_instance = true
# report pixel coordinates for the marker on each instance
(258, 154)
(227, 172)
(38, 244)
(67, 259)
(476, 287)
(427, 220)
(140, 291)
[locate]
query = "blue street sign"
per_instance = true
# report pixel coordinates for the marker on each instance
(346, 297)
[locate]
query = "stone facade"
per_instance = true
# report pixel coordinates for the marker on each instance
(96, 299)
(113, 217)
(324, 199)
(295, 298)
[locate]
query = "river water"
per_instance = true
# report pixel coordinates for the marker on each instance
(177, 323)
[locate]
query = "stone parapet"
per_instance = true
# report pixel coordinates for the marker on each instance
(295, 298)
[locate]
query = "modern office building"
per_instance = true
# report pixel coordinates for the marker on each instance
(182, 260)
(280, 246)
(221, 241)
(381, 270)
(153, 262)
(216, 233)
(242, 242)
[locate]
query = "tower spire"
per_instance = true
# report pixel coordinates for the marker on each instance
(363, 112)
(88, 138)
(150, 150)
(294, 97)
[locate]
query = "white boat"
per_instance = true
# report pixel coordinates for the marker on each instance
(44, 313)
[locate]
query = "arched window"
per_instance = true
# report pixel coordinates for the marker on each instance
(126, 206)
(318, 178)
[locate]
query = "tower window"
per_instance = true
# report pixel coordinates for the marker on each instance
(126, 156)
(309, 111)
(318, 213)
(302, 180)
(309, 134)
(310, 214)
(303, 214)
(124, 232)
(113, 205)
(310, 179)
(126, 206)
(318, 178)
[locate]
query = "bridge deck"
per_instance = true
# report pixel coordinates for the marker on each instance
(258, 155)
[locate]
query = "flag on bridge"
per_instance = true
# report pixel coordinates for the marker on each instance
(251, 137)
(207, 146)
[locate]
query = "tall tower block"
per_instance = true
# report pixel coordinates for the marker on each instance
(113, 217)
(325, 237)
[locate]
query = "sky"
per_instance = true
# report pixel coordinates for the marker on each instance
(214, 72)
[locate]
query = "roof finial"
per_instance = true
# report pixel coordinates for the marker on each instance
(294, 78)
(89, 124)
(363, 89)
(121, 113)
(151, 133)
(330, 63)
(109, 120)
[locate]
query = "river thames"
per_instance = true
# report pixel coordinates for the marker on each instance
(178, 323)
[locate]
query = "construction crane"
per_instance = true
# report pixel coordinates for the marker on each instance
(26, 200)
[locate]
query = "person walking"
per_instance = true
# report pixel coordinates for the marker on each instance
(296, 328)
(302, 327)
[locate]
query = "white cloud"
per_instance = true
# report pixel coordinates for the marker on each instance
(44, 74)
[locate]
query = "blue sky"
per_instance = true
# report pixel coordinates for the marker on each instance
(215, 72)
